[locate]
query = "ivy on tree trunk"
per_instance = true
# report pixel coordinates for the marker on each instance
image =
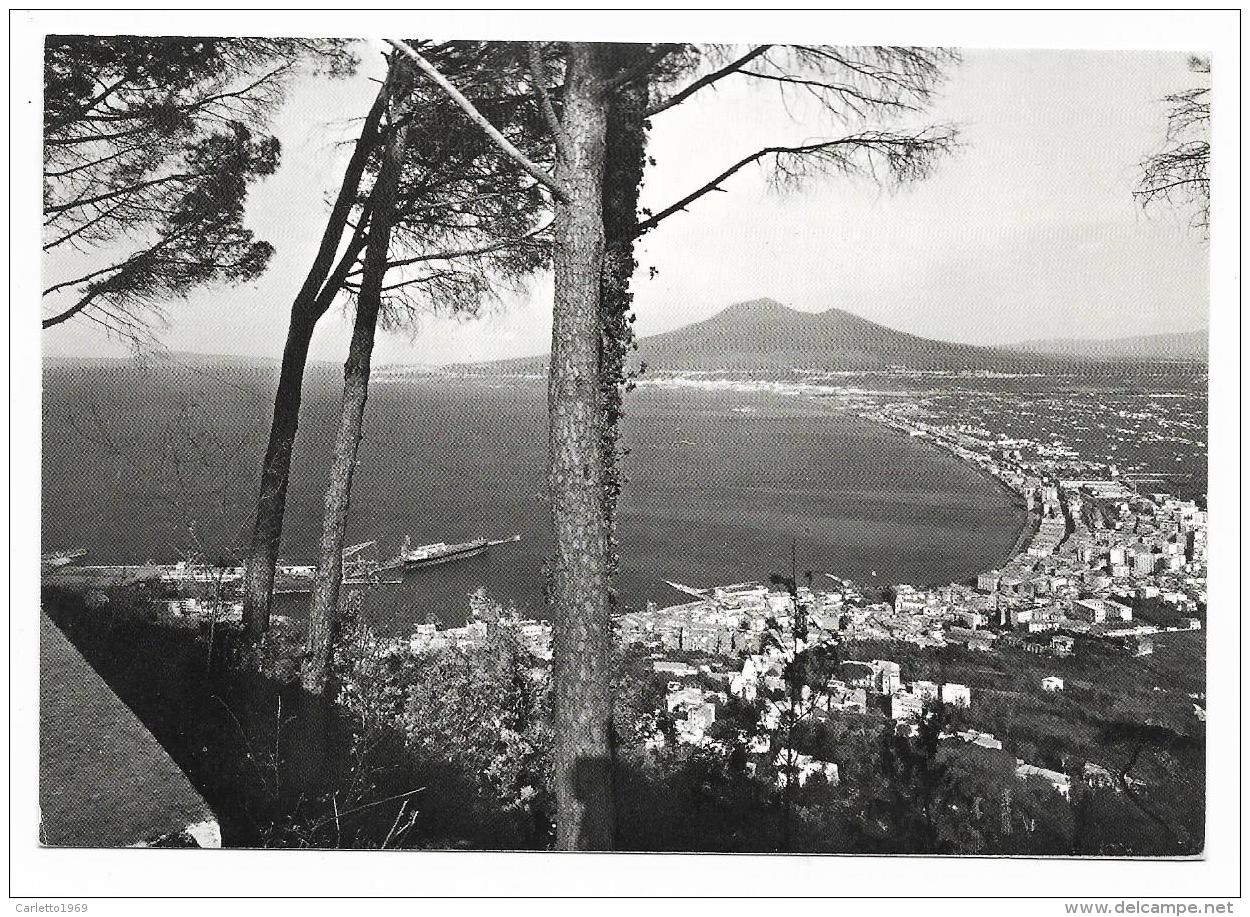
(624, 163)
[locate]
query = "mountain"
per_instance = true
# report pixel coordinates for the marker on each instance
(1182, 346)
(161, 358)
(762, 338)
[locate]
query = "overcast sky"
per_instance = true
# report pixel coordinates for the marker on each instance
(1029, 230)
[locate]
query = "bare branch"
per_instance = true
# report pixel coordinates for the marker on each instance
(110, 195)
(907, 156)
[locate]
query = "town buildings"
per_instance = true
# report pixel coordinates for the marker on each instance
(1099, 564)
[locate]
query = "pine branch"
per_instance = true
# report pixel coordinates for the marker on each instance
(708, 80)
(538, 72)
(649, 60)
(74, 309)
(450, 255)
(548, 181)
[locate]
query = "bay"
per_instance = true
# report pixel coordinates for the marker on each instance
(156, 462)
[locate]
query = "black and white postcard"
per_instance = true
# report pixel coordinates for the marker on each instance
(787, 437)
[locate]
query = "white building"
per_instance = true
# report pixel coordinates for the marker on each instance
(904, 706)
(925, 690)
(983, 739)
(957, 695)
(699, 717)
(1092, 611)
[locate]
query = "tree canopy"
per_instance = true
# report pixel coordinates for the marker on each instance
(150, 147)
(468, 219)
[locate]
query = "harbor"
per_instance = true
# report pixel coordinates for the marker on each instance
(188, 584)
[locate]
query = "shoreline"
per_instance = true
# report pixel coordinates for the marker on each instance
(812, 395)
(1028, 527)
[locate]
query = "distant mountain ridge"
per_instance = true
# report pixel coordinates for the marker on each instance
(1181, 346)
(764, 338)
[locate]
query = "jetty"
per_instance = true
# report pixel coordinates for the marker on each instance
(289, 579)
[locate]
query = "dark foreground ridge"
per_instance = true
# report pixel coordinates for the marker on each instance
(95, 757)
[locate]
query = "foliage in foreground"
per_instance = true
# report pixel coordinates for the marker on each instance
(450, 748)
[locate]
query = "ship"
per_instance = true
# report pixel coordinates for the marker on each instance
(430, 555)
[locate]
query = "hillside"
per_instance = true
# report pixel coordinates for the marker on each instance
(763, 338)
(1182, 346)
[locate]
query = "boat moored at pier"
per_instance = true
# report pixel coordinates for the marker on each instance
(430, 555)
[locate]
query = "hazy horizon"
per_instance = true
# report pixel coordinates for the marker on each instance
(1204, 329)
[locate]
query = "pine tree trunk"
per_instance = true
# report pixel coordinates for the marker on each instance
(262, 559)
(582, 636)
(325, 613)
(310, 304)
